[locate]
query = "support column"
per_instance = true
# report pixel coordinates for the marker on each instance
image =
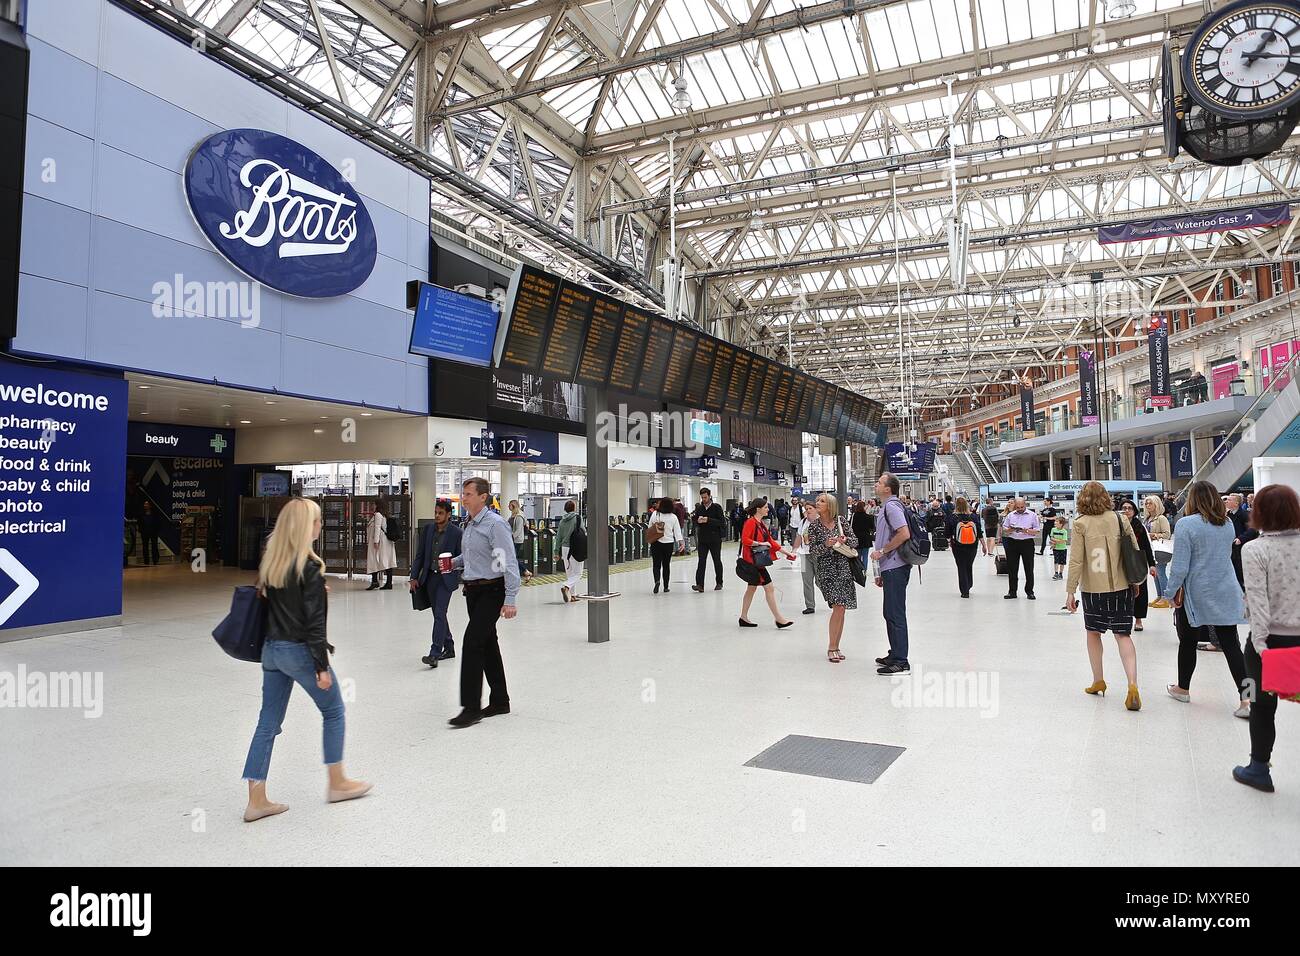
(424, 492)
(597, 514)
(509, 482)
(1051, 467)
(842, 475)
(620, 489)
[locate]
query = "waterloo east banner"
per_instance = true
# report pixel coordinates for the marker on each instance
(1158, 351)
(1195, 224)
(1087, 388)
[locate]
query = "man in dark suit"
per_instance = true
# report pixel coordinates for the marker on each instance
(710, 523)
(441, 535)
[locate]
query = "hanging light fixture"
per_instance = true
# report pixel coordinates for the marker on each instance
(1115, 9)
(681, 95)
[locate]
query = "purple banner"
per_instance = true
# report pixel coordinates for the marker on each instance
(1087, 388)
(1196, 223)
(1158, 349)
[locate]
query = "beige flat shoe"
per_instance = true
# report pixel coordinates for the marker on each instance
(270, 810)
(338, 796)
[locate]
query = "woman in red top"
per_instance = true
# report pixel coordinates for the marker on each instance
(755, 532)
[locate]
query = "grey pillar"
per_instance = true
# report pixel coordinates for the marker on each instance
(597, 515)
(842, 475)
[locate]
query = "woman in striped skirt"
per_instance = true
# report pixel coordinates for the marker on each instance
(1097, 566)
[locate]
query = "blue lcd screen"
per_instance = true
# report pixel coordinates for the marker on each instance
(454, 326)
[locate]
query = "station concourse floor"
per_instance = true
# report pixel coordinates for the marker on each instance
(633, 752)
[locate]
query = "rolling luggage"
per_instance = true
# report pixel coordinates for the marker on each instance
(1000, 560)
(938, 541)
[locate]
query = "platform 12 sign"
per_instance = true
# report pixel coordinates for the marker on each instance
(280, 213)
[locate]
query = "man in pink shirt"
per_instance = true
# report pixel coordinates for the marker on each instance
(1020, 531)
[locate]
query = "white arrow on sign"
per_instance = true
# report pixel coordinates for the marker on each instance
(26, 581)
(157, 468)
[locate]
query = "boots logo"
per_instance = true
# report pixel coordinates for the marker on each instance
(280, 213)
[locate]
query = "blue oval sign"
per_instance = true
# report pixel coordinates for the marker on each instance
(280, 213)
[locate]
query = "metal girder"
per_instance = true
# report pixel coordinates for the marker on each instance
(799, 18)
(1162, 23)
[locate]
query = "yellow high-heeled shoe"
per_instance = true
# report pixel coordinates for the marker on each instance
(1133, 701)
(1097, 688)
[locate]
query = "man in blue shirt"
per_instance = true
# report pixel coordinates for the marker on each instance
(892, 574)
(490, 578)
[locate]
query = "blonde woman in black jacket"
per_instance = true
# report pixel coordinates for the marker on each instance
(293, 581)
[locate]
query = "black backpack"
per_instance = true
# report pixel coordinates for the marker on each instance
(393, 530)
(578, 543)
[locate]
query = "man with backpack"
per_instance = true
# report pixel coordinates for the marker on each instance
(893, 530)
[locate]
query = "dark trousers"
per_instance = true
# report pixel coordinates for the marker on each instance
(964, 555)
(150, 543)
(480, 654)
(524, 554)
(1047, 530)
(1189, 637)
(660, 556)
(708, 548)
(1018, 552)
(440, 598)
(1263, 710)
(895, 609)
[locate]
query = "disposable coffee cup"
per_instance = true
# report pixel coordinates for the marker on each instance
(444, 562)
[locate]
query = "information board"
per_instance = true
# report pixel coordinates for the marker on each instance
(568, 331)
(453, 326)
(715, 397)
(754, 387)
(529, 307)
(767, 396)
(826, 427)
(784, 395)
(625, 369)
(62, 488)
(602, 336)
(679, 363)
(807, 392)
(737, 381)
(697, 382)
(658, 349)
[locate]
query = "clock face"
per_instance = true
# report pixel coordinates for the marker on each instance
(1244, 60)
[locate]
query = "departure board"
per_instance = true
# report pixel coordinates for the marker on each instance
(626, 367)
(529, 307)
(808, 391)
(767, 397)
(658, 348)
(679, 363)
(754, 389)
(602, 335)
(837, 415)
(827, 427)
(875, 416)
(568, 331)
(813, 413)
(697, 383)
(784, 394)
(716, 394)
(855, 418)
(737, 379)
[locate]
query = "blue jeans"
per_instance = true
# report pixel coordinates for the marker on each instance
(1162, 578)
(895, 609)
(440, 597)
(283, 664)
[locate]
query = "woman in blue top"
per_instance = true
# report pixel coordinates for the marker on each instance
(1203, 589)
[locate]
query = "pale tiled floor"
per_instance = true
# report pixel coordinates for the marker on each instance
(633, 751)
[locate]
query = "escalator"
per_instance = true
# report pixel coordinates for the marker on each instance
(980, 465)
(1270, 428)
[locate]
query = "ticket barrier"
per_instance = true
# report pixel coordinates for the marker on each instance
(545, 545)
(639, 548)
(615, 541)
(629, 543)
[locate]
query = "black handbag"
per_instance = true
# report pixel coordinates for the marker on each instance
(1134, 561)
(242, 632)
(420, 598)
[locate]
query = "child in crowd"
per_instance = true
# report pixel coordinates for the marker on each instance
(1060, 536)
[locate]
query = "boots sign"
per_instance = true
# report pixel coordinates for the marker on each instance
(281, 214)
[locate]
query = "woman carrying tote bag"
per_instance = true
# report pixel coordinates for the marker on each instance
(826, 536)
(1162, 545)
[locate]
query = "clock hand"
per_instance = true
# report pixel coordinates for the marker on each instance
(1255, 55)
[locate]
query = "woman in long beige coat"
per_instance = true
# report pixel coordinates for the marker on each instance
(381, 555)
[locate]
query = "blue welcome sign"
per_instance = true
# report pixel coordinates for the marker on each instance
(280, 213)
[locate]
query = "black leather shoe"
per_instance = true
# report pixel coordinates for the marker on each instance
(1008, 597)
(1031, 597)
(809, 610)
(696, 587)
(492, 710)
(466, 717)
(431, 661)
(447, 655)
(716, 587)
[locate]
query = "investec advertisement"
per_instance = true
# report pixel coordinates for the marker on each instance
(62, 475)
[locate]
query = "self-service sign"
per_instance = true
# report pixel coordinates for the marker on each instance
(62, 488)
